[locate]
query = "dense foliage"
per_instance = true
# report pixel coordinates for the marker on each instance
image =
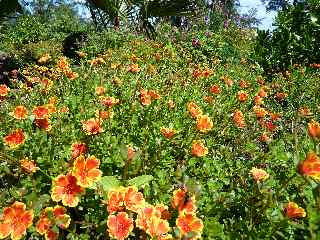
(296, 39)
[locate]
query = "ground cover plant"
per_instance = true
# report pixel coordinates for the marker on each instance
(181, 137)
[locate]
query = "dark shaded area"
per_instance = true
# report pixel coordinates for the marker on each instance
(9, 68)
(73, 43)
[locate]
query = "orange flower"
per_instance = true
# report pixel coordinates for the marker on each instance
(199, 149)
(44, 59)
(63, 63)
(134, 68)
(92, 126)
(154, 94)
(43, 124)
(314, 129)
(258, 100)
(228, 81)
(120, 225)
(77, 149)
(204, 123)
(103, 115)
(50, 219)
(133, 200)
(183, 202)
(40, 112)
(82, 54)
(280, 96)
(167, 132)
(145, 98)
(64, 110)
(4, 90)
(196, 73)
(71, 74)
(125, 197)
(15, 139)
(171, 104)
(260, 111)
(130, 153)
(262, 92)
(208, 99)
(305, 111)
(215, 89)
(238, 119)
(259, 174)
(66, 189)
(29, 165)
(19, 113)
(86, 171)
(207, 72)
(265, 138)
(100, 90)
(189, 224)
(114, 65)
(15, 220)
(242, 96)
(294, 211)
(243, 84)
(108, 101)
(194, 109)
(149, 220)
(310, 166)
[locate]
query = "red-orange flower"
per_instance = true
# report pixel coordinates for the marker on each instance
(242, 96)
(44, 124)
(204, 123)
(86, 170)
(50, 218)
(294, 211)
(134, 68)
(4, 90)
(305, 111)
(77, 149)
(120, 225)
(108, 101)
(238, 119)
(19, 113)
(167, 132)
(194, 109)
(15, 220)
(92, 126)
(199, 149)
(66, 189)
(310, 166)
(15, 139)
(29, 165)
(215, 89)
(189, 224)
(40, 112)
(314, 129)
(71, 74)
(262, 92)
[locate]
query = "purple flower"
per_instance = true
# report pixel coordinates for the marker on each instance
(195, 42)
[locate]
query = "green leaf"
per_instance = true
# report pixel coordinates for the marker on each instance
(140, 181)
(109, 182)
